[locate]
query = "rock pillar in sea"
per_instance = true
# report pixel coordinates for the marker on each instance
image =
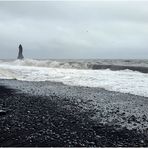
(20, 54)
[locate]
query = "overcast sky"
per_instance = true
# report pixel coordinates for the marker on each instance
(86, 29)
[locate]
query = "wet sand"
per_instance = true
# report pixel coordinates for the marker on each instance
(53, 114)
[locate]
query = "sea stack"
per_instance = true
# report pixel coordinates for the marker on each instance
(20, 54)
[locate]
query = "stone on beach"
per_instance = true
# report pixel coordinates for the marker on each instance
(2, 112)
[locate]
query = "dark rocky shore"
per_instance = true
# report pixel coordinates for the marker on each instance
(57, 119)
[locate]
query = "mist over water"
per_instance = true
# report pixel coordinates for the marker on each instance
(79, 73)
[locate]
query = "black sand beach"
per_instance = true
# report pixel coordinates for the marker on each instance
(53, 114)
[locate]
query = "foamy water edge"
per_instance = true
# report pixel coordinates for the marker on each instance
(125, 81)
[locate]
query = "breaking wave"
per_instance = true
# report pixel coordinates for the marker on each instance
(135, 65)
(77, 73)
(49, 63)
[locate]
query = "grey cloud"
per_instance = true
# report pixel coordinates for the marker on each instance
(107, 10)
(75, 29)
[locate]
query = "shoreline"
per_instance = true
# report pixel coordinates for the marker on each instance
(53, 114)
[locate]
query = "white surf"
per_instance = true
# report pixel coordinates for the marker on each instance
(125, 81)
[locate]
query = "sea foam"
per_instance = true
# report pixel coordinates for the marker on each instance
(125, 81)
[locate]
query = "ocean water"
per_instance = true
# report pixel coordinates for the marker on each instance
(79, 73)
